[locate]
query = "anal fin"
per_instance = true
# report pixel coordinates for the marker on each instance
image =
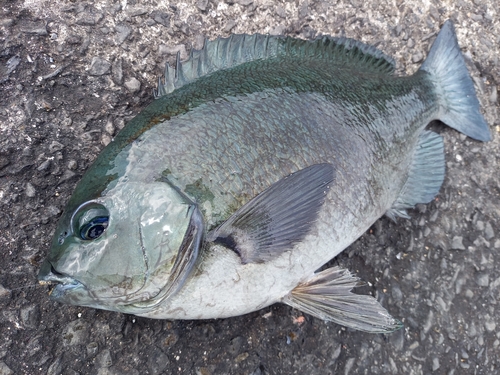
(425, 176)
(327, 295)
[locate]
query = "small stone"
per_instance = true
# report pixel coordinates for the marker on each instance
(56, 367)
(55, 146)
(161, 17)
(133, 84)
(6, 22)
(134, 12)
(435, 363)
(53, 211)
(277, 30)
(457, 244)
(105, 139)
(202, 5)
(158, 361)
(480, 225)
(488, 231)
(122, 33)
(44, 166)
(30, 190)
(417, 57)
(243, 2)
(4, 292)
(68, 174)
(99, 66)
(117, 71)
(483, 279)
(280, 11)
(4, 369)
(92, 349)
(4, 161)
(166, 50)
(110, 127)
(490, 325)
(37, 28)
(72, 164)
(89, 19)
(75, 333)
(103, 359)
(229, 26)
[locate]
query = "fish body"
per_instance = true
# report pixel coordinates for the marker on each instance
(261, 160)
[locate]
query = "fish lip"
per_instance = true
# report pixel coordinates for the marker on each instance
(61, 281)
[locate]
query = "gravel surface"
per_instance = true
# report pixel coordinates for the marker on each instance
(72, 73)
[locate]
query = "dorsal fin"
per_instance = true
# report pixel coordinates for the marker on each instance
(225, 53)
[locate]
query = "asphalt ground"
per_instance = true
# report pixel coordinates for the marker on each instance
(73, 73)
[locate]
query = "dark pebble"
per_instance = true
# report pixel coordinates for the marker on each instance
(99, 66)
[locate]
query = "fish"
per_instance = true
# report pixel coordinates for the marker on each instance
(261, 159)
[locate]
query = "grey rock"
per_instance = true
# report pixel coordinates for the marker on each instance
(30, 190)
(6, 22)
(38, 28)
(4, 369)
(4, 161)
(157, 361)
(92, 349)
(89, 18)
(133, 84)
(4, 292)
(417, 57)
(122, 33)
(103, 359)
(161, 17)
(277, 30)
(53, 211)
(229, 26)
(68, 174)
(168, 50)
(30, 316)
(56, 367)
(488, 231)
(435, 363)
(136, 11)
(280, 11)
(44, 166)
(9, 67)
(456, 243)
(117, 71)
(99, 66)
(483, 279)
(202, 5)
(72, 164)
(241, 2)
(55, 146)
(75, 333)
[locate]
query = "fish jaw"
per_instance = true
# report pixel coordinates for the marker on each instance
(66, 289)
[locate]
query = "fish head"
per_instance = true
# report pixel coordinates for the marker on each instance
(125, 251)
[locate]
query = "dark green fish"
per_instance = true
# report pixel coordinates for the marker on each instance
(262, 159)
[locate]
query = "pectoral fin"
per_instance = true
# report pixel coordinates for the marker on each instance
(279, 217)
(327, 295)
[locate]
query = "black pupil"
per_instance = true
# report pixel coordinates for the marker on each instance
(95, 228)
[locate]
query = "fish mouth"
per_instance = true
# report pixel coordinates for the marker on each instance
(60, 282)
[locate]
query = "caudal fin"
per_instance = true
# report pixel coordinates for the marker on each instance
(459, 104)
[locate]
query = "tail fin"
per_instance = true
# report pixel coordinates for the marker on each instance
(459, 104)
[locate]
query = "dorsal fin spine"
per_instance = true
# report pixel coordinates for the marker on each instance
(239, 49)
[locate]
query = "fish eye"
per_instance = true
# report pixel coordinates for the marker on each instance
(90, 221)
(94, 228)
